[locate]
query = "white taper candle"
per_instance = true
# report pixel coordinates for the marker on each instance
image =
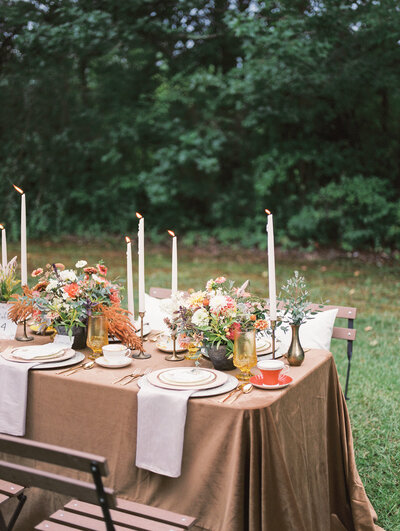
(142, 307)
(271, 266)
(129, 280)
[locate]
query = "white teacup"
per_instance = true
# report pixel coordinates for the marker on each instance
(114, 352)
(272, 371)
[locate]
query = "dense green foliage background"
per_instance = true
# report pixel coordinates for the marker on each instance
(200, 114)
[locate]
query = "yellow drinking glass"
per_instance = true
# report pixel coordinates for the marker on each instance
(97, 335)
(244, 353)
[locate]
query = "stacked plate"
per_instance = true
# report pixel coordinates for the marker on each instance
(206, 382)
(47, 356)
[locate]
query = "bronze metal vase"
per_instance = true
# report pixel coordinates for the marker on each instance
(295, 355)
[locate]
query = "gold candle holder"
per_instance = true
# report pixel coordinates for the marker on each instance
(174, 356)
(24, 336)
(273, 327)
(141, 355)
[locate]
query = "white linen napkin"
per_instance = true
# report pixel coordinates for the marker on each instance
(160, 429)
(13, 395)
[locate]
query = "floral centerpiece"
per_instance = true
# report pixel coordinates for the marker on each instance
(65, 298)
(8, 280)
(214, 316)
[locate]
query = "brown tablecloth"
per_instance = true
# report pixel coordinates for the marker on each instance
(273, 460)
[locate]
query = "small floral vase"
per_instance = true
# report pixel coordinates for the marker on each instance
(78, 333)
(218, 358)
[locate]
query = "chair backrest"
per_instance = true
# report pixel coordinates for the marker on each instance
(344, 312)
(56, 455)
(160, 293)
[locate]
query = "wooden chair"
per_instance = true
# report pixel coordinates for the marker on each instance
(97, 508)
(347, 333)
(9, 491)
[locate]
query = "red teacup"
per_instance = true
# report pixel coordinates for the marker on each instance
(272, 371)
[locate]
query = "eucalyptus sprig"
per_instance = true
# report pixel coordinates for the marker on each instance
(295, 295)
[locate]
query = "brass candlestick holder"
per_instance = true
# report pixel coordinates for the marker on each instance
(141, 355)
(273, 327)
(24, 336)
(174, 356)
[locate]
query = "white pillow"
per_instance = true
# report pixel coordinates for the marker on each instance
(155, 315)
(315, 333)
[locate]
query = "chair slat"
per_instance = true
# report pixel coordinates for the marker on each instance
(10, 489)
(3, 498)
(46, 525)
(136, 515)
(55, 455)
(344, 333)
(180, 520)
(29, 476)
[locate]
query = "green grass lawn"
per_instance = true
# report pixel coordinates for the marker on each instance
(370, 285)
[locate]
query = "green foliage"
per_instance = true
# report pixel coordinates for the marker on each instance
(8, 280)
(201, 114)
(296, 299)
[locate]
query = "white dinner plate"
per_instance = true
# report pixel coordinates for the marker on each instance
(230, 384)
(186, 376)
(220, 379)
(120, 362)
(68, 353)
(60, 364)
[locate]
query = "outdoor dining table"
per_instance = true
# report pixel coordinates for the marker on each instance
(271, 460)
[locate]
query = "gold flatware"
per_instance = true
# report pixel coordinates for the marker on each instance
(147, 371)
(156, 336)
(246, 388)
(135, 373)
(221, 400)
(84, 367)
(71, 368)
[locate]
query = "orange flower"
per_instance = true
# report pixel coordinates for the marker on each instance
(261, 324)
(253, 317)
(102, 269)
(72, 290)
(41, 286)
(37, 272)
(114, 296)
(60, 266)
(90, 270)
(206, 302)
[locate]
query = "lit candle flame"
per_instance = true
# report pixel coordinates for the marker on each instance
(267, 212)
(171, 233)
(127, 239)
(1, 227)
(138, 215)
(18, 189)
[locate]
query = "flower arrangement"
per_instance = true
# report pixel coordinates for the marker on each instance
(8, 281)
(67, 297)
(217, 314)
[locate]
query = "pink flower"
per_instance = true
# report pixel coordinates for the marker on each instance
(220, 280)
(37, 272)
(102, 269)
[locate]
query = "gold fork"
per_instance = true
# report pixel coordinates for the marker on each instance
(134, 374)
(146, 371)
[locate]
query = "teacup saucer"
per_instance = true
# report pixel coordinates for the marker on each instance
(257, 381)
(116, 364)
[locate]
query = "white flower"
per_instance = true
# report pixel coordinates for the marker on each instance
(200, 317)
(68, 275)
(217, 303)
(172, 305)
(51, 285)
(80, 263)
(96, 278)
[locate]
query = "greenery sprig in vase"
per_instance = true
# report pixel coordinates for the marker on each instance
(297, 310)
